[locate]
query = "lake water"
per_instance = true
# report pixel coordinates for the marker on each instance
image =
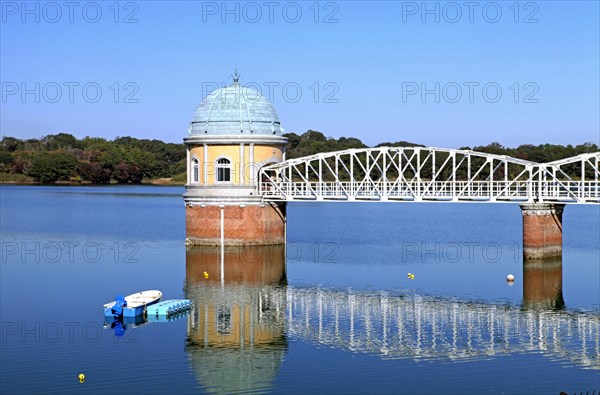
(333, 312)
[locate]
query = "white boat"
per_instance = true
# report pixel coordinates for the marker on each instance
(131, 305)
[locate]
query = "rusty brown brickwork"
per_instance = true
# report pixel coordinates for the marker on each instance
(542, 230)
(249, 225)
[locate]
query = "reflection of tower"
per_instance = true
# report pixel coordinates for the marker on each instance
(234, 132)
(542, 284)
(250, 265)
(236, 338)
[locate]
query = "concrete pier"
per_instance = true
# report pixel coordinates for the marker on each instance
(542, 231)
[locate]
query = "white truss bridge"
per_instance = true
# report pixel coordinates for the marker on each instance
(430, 174)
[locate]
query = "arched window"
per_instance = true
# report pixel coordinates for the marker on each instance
(195, 171)
(223, 170)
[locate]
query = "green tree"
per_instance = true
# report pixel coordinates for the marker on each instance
(52, 166)
(493, 148)
(53, 142)
(11, 144)
(400, 143)
(6, 160)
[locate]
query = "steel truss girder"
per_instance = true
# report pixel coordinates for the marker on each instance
(430, 174)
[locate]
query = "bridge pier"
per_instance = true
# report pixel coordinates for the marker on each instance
(542, 231)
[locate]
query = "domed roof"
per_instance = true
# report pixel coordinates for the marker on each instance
(235, 109)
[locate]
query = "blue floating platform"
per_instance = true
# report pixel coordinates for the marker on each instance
(168, 318)
(168, 307)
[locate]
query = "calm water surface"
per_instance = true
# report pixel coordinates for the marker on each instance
(333, 312)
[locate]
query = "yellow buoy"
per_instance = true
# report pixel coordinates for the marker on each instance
(205, 275)
(411, 276)
(81, 376)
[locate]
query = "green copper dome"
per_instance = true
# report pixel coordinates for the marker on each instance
(235, 109)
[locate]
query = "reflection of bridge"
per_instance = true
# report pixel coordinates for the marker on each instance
(253, 308)
(392, 326)
(410, 326)
(433, 174)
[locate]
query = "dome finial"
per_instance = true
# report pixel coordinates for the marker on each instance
(236, 76)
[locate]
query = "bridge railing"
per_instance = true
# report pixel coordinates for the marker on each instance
(443, 191)
(570, 191)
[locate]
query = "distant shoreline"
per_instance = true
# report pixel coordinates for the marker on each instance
(157, 182)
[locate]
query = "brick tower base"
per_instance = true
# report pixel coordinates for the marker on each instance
(243, 224)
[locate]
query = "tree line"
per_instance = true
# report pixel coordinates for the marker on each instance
(313, 142)
(62, 157)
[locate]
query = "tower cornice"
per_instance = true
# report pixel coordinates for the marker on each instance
(235, 139)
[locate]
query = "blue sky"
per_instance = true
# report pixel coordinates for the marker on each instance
(512, 72)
